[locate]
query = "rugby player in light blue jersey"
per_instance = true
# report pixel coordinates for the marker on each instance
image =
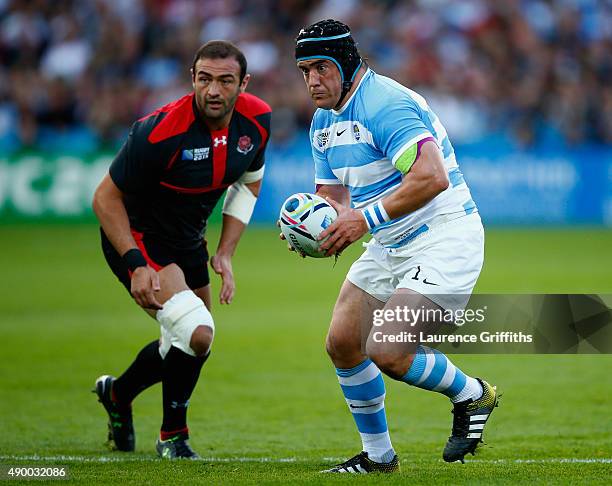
(385, 162)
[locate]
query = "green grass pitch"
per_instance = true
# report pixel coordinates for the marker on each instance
(268, 408)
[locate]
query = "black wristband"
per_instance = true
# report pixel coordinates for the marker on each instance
(133, 259)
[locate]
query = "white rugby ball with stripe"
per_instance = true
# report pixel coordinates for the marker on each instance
(303, 216)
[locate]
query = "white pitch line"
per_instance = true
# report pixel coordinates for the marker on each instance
(558, 460)
(273, 460)
(104, 459)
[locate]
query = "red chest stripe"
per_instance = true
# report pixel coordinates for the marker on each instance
(219, 145)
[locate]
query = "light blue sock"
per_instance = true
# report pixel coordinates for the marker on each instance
(432, 370)
(364, 391)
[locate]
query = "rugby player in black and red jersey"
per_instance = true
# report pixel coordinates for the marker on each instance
(153, 206)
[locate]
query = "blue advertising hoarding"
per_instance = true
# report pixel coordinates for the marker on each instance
(510, 187)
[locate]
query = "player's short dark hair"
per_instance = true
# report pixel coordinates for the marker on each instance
(220, 49)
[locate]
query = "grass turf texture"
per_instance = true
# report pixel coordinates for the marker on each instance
(268, 408)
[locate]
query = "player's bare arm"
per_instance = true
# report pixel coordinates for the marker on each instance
(425, 180)
(231, 232)
(337, 192)
(110, 211)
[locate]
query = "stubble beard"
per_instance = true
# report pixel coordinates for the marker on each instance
(223, 110)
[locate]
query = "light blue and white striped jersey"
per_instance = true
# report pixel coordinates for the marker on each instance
(358, 146)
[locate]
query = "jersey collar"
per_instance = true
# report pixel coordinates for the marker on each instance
(348, 101)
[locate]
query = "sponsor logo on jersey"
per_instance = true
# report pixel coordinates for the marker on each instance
(220, 140)
(323, 138)
(245, 145)
(196, 154)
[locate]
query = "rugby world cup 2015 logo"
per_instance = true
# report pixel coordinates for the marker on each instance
(245, 145)
(323, 138)
(195, 154)
(356, 133)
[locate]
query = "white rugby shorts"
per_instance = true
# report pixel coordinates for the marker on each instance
(443, 263)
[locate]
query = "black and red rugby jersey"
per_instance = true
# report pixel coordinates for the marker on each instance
(173, 169)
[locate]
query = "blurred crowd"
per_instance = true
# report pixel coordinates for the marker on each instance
(533, 71)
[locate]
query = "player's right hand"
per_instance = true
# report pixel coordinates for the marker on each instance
(289, 247)
(145, 283)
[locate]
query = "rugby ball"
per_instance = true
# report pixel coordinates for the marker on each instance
(303, 217)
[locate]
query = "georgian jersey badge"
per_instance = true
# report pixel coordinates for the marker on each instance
(245, 145)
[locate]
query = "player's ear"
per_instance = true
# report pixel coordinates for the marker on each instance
(192, 77)
(244, 83)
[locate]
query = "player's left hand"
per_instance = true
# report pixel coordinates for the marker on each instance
(349, 226)
(222, 265)
(289, 246)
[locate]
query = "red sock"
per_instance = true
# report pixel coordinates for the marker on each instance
(163, 435)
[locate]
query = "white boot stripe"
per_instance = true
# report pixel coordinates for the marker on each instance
(476, 426)
(479, 417)
(474, 435)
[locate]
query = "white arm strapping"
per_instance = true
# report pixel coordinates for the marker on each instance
(254, 176)
(239, 202)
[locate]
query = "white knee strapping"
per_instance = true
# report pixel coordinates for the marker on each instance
(181, 315)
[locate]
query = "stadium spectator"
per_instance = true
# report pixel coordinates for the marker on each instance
(528, 71)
